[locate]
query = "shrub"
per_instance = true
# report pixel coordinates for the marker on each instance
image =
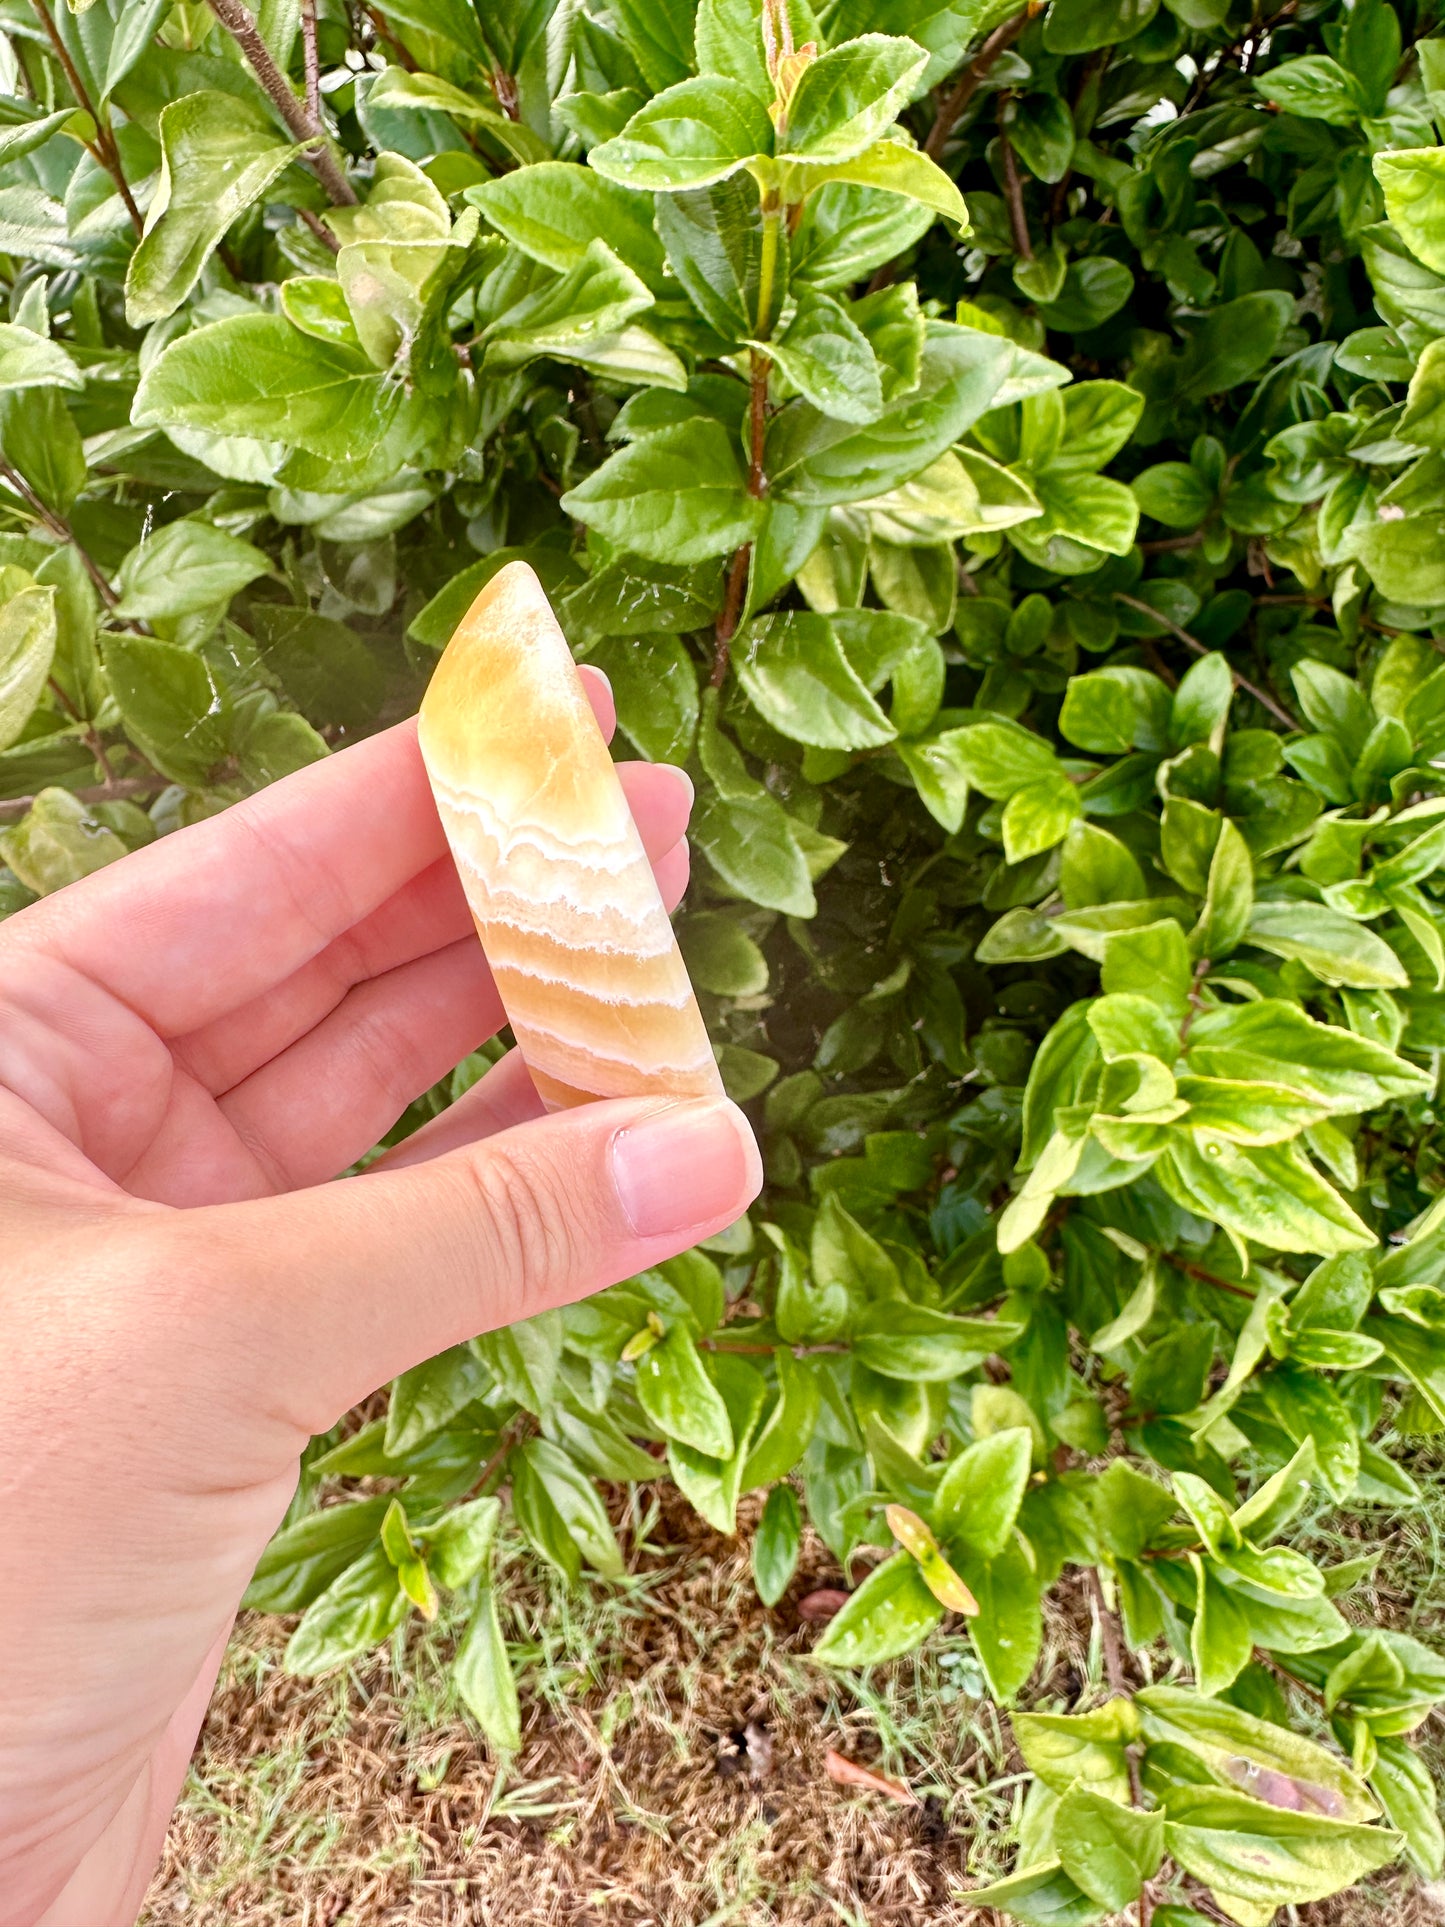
(1045, 594)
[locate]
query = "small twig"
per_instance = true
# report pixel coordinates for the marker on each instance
(305, 127)
(1172, 544)
(951, 108)
(89, 734)
(103, 149)
(758, 424)
(384, 32)
(1265, 700)
(732, 608)
(16, 806)
(1013, 193)
(520, 1427)
(505, 88)
(319, 228)
(1207, 1277)
(311, 60)
(60, 529)
(1108, 1636)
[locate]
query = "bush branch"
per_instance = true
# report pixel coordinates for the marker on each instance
(304, 125)
(1013, 193)
(16, 806)
(732, 609)
(950, 109)
(1262, 697)
(60, 529)
(102, 149)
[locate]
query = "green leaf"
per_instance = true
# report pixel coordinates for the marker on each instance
(1224, 916)
(1114, 710)
(185, 568)
(430, 1395)
(1316, 87)
(891, 1612)
(34, 361)
(775, 1544)
(483, 1678)
(356, 1612)
(27, 650)
(915, 1343)
(1245, 1849)
(797, 676)
(1234, 341)
(1106, 1849)
(1008, 1631)
(1038, 815)
(256, 374)
(1402, 1780)
(172, 706)
(304, 1557)
(789, 1426)
(677, 496)
(219, 154)
(827, 358)
(524, 1358)
(687, 136)
(1236, 1749)
(1088, 1750)
(1041, 1896)
(1412, 180)
(679, 1397)
(813, 458)
(979, 1495)
(1079, 26)
(847, 97)
(1270, 1193)
(58, 841)
(890, 168)
(1337, 949)
(575, 1499)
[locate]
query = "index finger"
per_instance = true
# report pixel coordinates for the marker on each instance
(215, 915)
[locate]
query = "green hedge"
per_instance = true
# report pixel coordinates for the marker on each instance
(1042, 582)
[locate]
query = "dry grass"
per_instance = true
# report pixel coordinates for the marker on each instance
(671, 1773)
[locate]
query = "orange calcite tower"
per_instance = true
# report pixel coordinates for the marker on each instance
(559, 885)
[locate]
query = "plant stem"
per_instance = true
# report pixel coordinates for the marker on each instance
(1207, 1277)
(520, 1427)
(311, 60)
(319, 228)
(1013, 193)
(16, 806)
(384, 32)
(1108, 1636)
(89, 732)
(102, 150)
(1261, 696)
(972, 78)
(732, 608)
(59, 528)
(305, 126)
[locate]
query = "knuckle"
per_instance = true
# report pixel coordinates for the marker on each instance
(529, 1245)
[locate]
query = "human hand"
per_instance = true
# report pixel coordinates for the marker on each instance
(192, 1042)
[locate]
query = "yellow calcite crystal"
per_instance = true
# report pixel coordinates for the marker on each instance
(559, 885)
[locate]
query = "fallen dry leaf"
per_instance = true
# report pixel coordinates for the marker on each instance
(819, 1607)
(846, 1772)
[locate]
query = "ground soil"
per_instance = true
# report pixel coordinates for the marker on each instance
(672, 1773)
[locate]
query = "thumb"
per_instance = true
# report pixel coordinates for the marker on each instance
(355, 1281)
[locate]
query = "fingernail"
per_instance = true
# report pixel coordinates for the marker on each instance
(681, 773)
(685, 1165)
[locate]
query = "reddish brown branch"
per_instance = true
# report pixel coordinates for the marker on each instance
(1013, 194)
(102, 149)
(1262, 697)
(951, 107)
(305, 126)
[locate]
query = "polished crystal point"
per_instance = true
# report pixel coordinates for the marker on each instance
(559, 885)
